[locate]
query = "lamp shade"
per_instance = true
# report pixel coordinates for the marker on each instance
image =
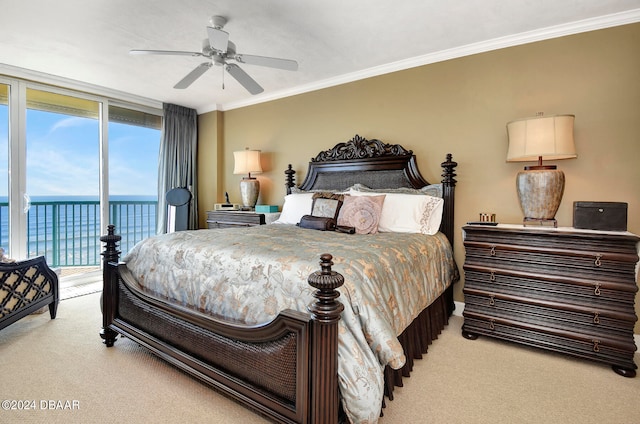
(545, 137)
(246, 162)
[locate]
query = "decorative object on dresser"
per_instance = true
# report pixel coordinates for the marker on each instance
(565, 290)
(245, 162)
(228, 218)
(606, 216)
(266, 208)
(227, 205)
(540, 187)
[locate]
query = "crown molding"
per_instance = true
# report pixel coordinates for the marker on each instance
(586, 25)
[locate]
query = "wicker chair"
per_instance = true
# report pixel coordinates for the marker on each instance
(25, 287)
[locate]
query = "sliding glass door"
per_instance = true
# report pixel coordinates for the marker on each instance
(71, 163)
(134, 145)
(62, 178)
(4, 167)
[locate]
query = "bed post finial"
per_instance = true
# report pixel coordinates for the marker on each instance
(290, 178)
(325, 314)
(110, 256)
(326, 308)
(111, 240)
(449, 167)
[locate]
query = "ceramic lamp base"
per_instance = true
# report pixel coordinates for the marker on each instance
(540, 193)
(249, 191)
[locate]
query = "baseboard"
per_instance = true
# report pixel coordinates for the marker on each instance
(459, 307)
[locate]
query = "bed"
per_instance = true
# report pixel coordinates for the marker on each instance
(307, 357)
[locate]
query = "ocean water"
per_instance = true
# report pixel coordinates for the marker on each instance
(66, 229)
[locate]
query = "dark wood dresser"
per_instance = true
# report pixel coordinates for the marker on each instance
(566, 290)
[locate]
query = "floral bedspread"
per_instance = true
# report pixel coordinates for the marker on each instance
(250, 274)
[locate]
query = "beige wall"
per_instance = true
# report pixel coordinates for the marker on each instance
(459, 106)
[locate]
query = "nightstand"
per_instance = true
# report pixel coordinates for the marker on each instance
(561, 289)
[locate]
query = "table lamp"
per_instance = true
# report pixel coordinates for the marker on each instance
(540, 187)
(247, 162)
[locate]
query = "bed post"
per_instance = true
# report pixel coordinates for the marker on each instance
(325, 314)
(448, 192)
(290, 178)
(110, 257)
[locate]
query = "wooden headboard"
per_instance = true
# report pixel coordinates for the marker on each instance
(376, 165)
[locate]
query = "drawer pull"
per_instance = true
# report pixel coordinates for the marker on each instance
(596, 318)
(596, 345)
(492, 278)
(493, 251)
(598, 262)
(596, 291)
(492, 325)
(492, 301)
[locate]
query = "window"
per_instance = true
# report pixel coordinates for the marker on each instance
(79, 162)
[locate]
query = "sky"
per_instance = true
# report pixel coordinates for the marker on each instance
(63, 156)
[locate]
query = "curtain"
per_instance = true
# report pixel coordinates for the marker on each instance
(178, 158)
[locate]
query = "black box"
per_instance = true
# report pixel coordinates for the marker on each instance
(606, 216)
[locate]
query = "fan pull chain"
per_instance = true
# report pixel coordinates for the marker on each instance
(223, 77)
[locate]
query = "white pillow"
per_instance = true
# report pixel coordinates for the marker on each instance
(408, 213)
(295, 205)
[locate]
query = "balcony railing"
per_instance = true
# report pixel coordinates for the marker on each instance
(68, 233)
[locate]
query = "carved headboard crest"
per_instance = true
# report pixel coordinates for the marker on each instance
(359, 148)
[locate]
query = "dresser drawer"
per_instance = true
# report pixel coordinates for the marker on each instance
(563, 262)
(555, 239)
(579, 291)
(228, 219)
(603, 349)
(584, 320)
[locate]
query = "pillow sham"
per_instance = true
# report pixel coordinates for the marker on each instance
(434, 190)
(297, 190)
(295, 206)
(362, 213)
(408, 213)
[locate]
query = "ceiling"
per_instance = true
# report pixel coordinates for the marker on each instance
(86, 43)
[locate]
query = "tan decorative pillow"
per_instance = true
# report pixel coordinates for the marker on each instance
(362, 213)
(326, 204)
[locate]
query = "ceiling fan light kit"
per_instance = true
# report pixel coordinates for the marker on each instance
(222, 52)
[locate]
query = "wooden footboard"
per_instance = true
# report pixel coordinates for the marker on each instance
(286, 369)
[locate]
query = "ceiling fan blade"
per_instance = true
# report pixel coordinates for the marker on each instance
(166, 52)
(244, 79)
(272, 62)
(218, 39)
(193, 75)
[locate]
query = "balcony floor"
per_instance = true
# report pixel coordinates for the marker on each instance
(78, 281)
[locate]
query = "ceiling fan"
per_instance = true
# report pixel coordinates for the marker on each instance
(221, 51)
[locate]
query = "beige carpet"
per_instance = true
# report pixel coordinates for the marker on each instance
(459, 381)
